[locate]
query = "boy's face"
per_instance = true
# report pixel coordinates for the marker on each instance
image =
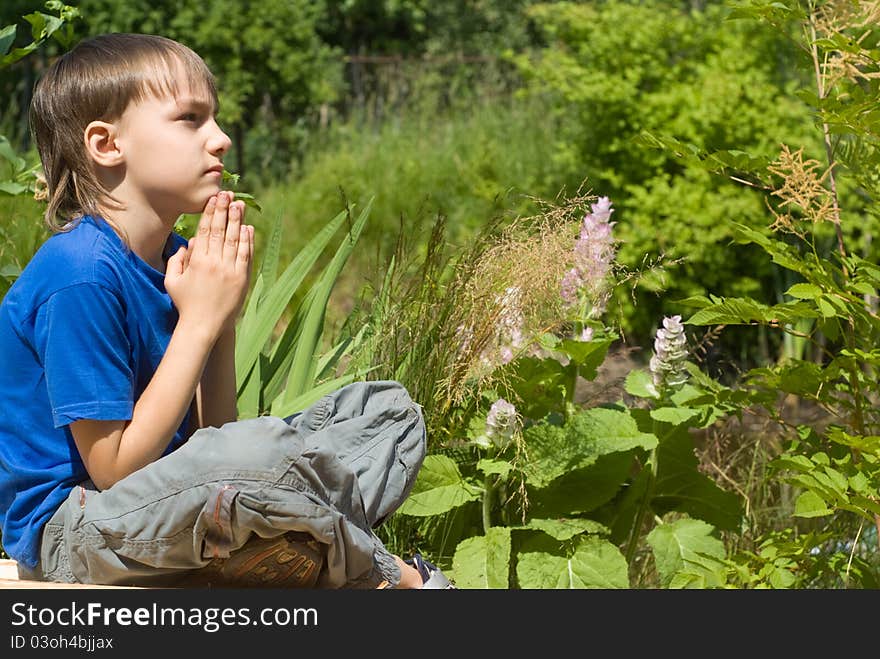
(173, 150)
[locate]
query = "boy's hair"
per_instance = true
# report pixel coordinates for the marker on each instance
(96, 81)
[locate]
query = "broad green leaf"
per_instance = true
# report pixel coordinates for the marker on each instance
(595, 563)
(588, 354)
(680, 485)
(556, 450)
(674, 415)
(640, 383)
(439, 488)
(582, 490)
(483, 561)
(566, 529)
(499, 467)
(676, 547)
(810, 504)
(826, 308)
(11, 188)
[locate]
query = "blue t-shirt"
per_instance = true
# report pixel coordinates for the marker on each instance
(82, 331)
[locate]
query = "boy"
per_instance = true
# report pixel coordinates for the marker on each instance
(118, 341)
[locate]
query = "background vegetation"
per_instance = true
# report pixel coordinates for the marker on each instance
(471, 137)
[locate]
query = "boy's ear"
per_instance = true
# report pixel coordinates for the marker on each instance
(101, 144)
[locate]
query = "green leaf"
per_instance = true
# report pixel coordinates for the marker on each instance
(804, 291)
(595, 563)
(439, 488)
(589, 355)
(566, 529)
(483, 561)
(304, 364)
(674, 415)
(826, 308)
(500, 467)
(680, 485)
(581, 490)
(640, 383)
(259, 320)
(284, 408)
(677, 546)
(554, 451)
(810, 504)
(7, 37)
(10, 188)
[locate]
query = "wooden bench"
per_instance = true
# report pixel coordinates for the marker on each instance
(9, 579)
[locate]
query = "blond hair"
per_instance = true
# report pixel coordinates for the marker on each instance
(96, 81)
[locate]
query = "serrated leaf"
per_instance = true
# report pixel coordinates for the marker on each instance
(595, 563)
(483, 561)
(439, 488)
(676, 547)
(566, 529)
(499, 467)
(557, 450)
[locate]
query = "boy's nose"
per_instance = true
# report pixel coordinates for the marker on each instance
(220, 142)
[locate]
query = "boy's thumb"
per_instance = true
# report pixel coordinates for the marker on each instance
(175, 263)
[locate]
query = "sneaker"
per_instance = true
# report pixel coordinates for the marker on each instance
(432, 577)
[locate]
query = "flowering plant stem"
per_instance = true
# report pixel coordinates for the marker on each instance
(488, 496)
(635, 533)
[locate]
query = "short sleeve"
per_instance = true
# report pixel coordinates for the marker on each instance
(80, 333)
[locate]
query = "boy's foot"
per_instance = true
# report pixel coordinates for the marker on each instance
(432, 577)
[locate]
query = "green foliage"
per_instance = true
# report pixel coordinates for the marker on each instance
(583, 480)
(284, 373)
(835, 467)
(273, 70)
(622, 73)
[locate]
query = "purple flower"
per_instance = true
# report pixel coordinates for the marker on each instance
(594, 253)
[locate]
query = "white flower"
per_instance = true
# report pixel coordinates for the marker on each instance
(670, 353)
(501, 422)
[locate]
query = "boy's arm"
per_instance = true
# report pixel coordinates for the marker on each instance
(216, 392)
(112, 450)
(207, 283)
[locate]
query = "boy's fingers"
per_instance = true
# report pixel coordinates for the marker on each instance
(244, 251)
(233, 232)
(204, 228)
(217, 234)
(175, 265)
(252, 241)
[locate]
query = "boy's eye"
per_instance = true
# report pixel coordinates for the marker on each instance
(189, 116)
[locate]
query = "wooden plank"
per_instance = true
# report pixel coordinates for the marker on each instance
(35, 585)
(9, 579)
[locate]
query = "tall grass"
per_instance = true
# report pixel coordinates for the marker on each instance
(468, 166)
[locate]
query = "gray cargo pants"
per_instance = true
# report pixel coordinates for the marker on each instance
(334, 471)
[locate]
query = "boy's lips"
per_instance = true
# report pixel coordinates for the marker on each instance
(216, 169)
